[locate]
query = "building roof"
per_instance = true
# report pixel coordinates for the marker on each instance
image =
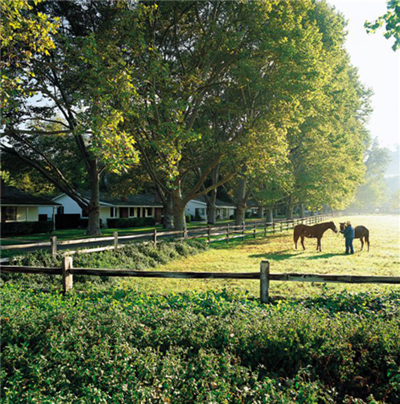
(132, 200)
(142, 200)
(218, 203)
(12, 196)
(252, 203)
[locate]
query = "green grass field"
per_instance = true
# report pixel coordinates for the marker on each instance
(142, 341)
(70, 234)
(383, 259)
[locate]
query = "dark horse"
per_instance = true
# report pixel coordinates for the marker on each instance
(316, 231)
(360, 232)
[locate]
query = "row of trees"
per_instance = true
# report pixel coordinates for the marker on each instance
(184, 98)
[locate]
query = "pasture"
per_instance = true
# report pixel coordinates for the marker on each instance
(194, 341)
(383, 259)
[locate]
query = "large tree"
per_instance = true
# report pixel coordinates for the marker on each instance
(390, 21)
(219, 81)
(74, 92)
(326, 152)
(373, 191)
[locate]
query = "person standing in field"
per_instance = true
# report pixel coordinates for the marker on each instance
(348, 233)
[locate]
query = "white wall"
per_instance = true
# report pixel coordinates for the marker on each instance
(46, 210)
(191, 208)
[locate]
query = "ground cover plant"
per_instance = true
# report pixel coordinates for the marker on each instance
(217, 347)
(134, 256)
(193, 341)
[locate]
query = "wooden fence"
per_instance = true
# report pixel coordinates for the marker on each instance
(225, 233)
(264, 276)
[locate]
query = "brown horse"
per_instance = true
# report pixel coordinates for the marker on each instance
(316, 231)
(360, 232)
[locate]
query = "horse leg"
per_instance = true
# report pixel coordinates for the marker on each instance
(362, 243)
(295, 238)
(367, 241)
(302, 242)
(318, 244)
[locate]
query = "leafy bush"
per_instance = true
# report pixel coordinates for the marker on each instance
(15, 228)
(188, 218)
(135, 256)
(123, 346)
(120, 223)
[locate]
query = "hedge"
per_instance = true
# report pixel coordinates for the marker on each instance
(15, 228)
(132, 222)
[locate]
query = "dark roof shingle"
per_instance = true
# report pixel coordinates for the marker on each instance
(14, 196)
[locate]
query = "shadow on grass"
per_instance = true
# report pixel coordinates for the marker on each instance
(283, 255)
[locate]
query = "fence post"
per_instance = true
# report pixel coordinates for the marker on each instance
(53, 241)
(115, 240)
(208, 234)
(255, 230)
(264, 281)
(265, 229)
(281, 227)
(67, 277)
(287, 225)
(273, 227)
(155, 236)
(243, 230)
(227, 233)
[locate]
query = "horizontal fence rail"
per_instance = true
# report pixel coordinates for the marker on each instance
(227, 232)
(264, 276)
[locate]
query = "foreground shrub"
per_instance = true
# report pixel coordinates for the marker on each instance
(135, 256)
(16, 228)
(122, 346)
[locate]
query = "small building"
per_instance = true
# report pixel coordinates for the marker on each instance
(198, 209)
(19, 206)
(145, 205)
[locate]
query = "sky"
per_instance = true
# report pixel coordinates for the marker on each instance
(378, 66)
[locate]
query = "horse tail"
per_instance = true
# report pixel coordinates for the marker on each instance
(367, 237)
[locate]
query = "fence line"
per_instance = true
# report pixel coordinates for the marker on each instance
(228, 232)
(264, 276)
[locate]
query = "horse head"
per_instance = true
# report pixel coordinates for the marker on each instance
(333, 227)
(342, 226)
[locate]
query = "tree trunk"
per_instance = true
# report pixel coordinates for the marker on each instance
(289, 208)
(302, 210)
(260, 212)
(270, 216)
(168, 221)
(240, 214)
(212, 208)
(93, 228)
(241, 198)
(179, 210)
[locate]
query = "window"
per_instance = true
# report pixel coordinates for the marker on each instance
(10, 213)
(111, 212)
(131, 212)
(149, 212)
(60, 210)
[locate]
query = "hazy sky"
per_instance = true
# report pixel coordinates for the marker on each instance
(378, 64)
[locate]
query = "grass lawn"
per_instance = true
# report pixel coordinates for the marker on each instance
(382, 259)
(70, 234)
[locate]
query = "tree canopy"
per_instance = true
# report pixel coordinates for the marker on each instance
(198, 93)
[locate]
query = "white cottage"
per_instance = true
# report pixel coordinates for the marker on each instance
(18, 206)
(198, 209)
(145, 205)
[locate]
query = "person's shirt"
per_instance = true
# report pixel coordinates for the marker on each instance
(349, 232)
